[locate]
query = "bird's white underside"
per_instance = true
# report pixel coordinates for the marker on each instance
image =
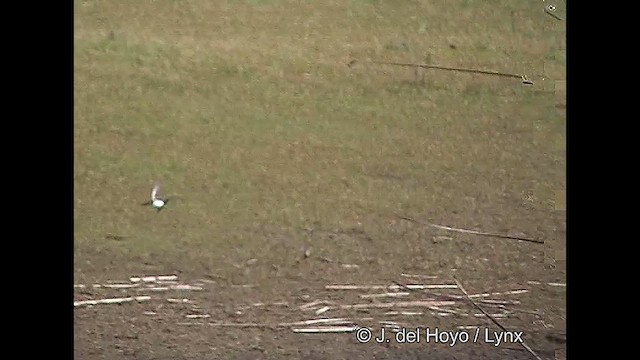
(158, 203)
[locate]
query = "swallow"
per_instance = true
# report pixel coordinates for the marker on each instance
(156, 202)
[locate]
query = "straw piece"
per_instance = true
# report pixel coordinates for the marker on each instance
(115, 286)
(311, 305)
(179, 301)
(395, 294)
(389, 287)
(350, 266)
(197, 316)
(111, 301)
(154, 278)
(326, 329)
(480, 233)
(416, 303)
(555, 284)
(407, 313)
(418, 276)
(322, 310)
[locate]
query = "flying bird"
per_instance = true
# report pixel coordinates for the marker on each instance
(156, 202)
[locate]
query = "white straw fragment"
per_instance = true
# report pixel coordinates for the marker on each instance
(179, 301)
(350, 266)
(513, 292)
(407, 313)
(115, 286)
(197, 316)
(416, 303)
(387, 322)
(549, 283)
(207, 281)
(330, 321)
(394, 294)
(311, 305)
(154, 278)
(155, 288)
(557, 284)
(440, 310)
(326, 329)
(111, 301)
(390, 287)
(172, 287)
(322, 310)
(492, 315)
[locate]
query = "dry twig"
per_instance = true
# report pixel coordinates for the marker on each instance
(480, 233)
(493, 319)
(457, 69)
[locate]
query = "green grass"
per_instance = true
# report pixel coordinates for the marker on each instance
(247, 111)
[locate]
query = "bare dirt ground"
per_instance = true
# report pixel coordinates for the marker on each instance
(251, 312)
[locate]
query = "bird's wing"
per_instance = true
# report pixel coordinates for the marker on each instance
(154, 192)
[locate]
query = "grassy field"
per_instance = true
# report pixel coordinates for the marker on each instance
(277, 135)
